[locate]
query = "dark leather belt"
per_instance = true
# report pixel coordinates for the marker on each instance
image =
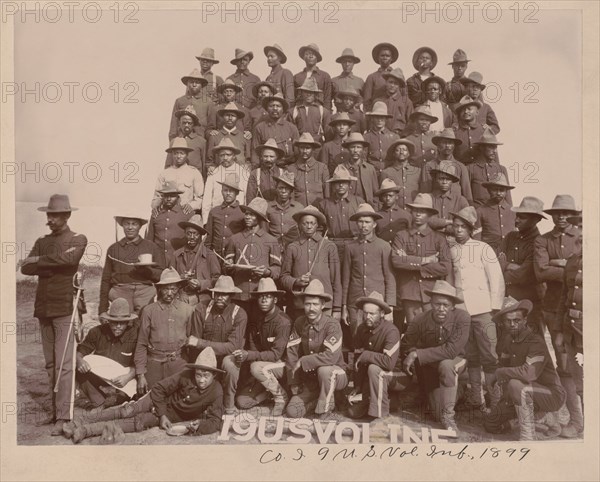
(575, 314)
(162, 357)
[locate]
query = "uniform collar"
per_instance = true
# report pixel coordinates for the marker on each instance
(310, 163)
(531, 234)
(439, 194)
(65, 230)
(315, 237)
(175, 305)
(234, 204)
(124, 242)
(276, 205)
(176, 209)
(423, 233)
(522, 335)
(247, 232)
(273, 315)
(318, 324)
(570, 231)
(387, 69)
(227, 132)
(372, 237)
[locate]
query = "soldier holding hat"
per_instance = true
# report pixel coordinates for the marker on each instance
(243, 78)
(495, 215)
(261, 182)
(379, 137)
(315, 365)
(228, 91)
(422, 135)
(258, 113)
(281, 210)
(195, 263)
(420, 256)
(207, 60)
(468, 129)
(366, 174)
(194, 82)
(376, 356)
(403, 171)
(312, 56)
(474, 86)
(346, 80)
(435, 345)
(308, 114)
(310, 175)
(233, 130)
(186, 178)
(108, 377)
(309, 257)
(55, 258)
(455, 89)
(132, 265)
(187, 121)
(424, 61)
(333, 151)
(268, 336)
(384, 54)
(165, 326)
(526, 374)
(399, 106)
(189, 395)
(221, 325)
(281, 79)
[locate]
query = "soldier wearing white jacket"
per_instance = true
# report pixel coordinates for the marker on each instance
(479, 281)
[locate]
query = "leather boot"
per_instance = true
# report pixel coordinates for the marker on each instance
(281, 401)
(526, 421)
(87, 430)
(446, 397)
(475, 397)
(493, 390)
(554, 427)
(575, 426)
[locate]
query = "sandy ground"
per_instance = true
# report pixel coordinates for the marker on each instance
(33, 394)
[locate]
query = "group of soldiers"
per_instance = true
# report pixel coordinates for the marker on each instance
(321, 261)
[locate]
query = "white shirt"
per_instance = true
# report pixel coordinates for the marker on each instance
(188, 179)
(437, 111)
(477, 276)
(213, 195)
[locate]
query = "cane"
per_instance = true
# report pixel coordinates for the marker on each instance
(77, 284)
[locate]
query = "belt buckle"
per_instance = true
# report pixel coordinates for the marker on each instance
(171, 356)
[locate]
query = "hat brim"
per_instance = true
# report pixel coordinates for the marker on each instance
(272, 292)
(162, 283)
(107, 317)
(414, 115)
(235, 150)
(120, 219)
(238, 113)
(376, 114)
(433, 78)
(521, 305)
(341, 58)
(386, 190)
(282, 56)
(270, 98)
(237, 59)
(284, 181)
(279, 150)
(305, 48)
(222, 87)
(333, 180)
(438, 171)
(355, 95)
(456, 141)
(236, 188)
(457, 299)
(466, 80)
(324, 296)
(349, 143)
(46, 209)
(363, 214)
(319, 215)
(263, 84)
(187, 78)
(187, 224)
(459, 107)
(233, 291)
(422, 206)
(519, 210)
(457, 215)
(180, 113)
(365, 299)
(399, 79)
(458, 61)
(171, 149)
(340, 121)
(494, 184)
(402, 142)
(384, 45)
(193, 366)
(434, 58)
(244, 209)
(214, 61)
(314, 144)
(551, 211)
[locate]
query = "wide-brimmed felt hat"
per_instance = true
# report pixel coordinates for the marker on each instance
(278, 97)
(376, 299)
(239, 55)
(231, 182)
(404, 142)
(441, 287)
(434, 57)
(228, 84)
(231, 107)
(179, 143)
(195, 74)
(363, 210)
(270, 144)
(310, 211)
(307, 139)
(287, 178)
(459, 56)
(225, 143)
(498, 181)
(465, 102)
(279, 50)
(340, 117)
(562, 202)
(189, 111)
(206, 360)
(58, 203)
(488, 138)
(341, 174)
(257, 206)
(474, 78)
(194, 222)
(169, 276)
(314, 48)
(310, 85)
(448, 134)
(423, 110)
(349, 91)
(423, 200)
(379, 109)
(575, 220)
(384, 45)
(255, 88)
(266, 285)
(355, 138)
(509, 304)
(225, 285)
(347, 53)
(170, 187)
(387, 185)
(315, 288)
(445, 167)
(468, 215)
(396, 74)
(433, 78)
(119, 219)
(208, 54)
(530, 205)
(118, 310)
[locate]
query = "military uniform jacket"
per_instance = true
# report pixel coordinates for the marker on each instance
(196, 158)
(406, 176)
(314, 345)
(309, 181)
(261, 249)
(454, 91)
(445, 203)
(367, 267)
(223, 331)
(497, 222)
(236, 136)
(425, 149)
(300, 255)
(487, 116)
(481, 171)
(338, 212)
(101, 341)
(323, 80)
(283, 81)
(281, 223)
(374, 87)
(223, 222)
(414, 87)
(331, 154)
(549, 246)
(413, 278)
(400, 108)
(312, 118)
(526, 358)
(344, 82)
(469, 134)
(435, 341)
(394, 220)
(59, 259)
(282, 130)
(268, 336)
(164, 229)
(200, 103)
(571, 300)
(517, 247)
(206, 270)
(246, 80)
(368, 181)
(378, 346)
(462, 187)
(216, 121)
(379, 144)
(261, 184)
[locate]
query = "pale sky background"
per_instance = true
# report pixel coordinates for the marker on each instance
(156, 52)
